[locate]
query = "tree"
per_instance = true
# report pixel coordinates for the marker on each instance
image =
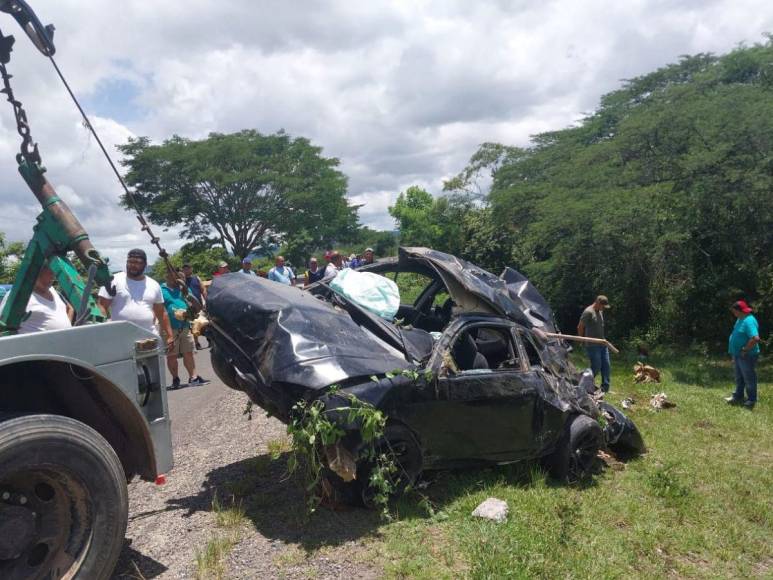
(11, 254)
(203, 257)
(247, 188)
(660, 199)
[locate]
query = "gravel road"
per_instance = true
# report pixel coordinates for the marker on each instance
(218, 452)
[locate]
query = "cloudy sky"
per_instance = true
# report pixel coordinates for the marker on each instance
(401, 92)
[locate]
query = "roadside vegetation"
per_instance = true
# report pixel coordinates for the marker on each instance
(696, 505)
(229, 522)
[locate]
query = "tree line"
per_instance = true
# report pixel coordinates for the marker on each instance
(662, 199)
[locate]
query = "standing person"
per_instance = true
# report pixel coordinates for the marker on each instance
(743, 346)
(281, 273)
(314, 273)
(46, 309)
(180, 338)
(197, 289)
(367, 257)
(592, 325)
(335, 265)
(138, 298)
(222, 268)
(247, 267)
(355, 261)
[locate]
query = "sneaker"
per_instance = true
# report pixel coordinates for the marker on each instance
(731, 400)
(749, 404)
(197, 381)
(175, 384)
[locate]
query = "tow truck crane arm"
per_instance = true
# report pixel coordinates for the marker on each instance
(57, 230)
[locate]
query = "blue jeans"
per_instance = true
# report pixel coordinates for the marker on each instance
(745, 376)
(599, 362)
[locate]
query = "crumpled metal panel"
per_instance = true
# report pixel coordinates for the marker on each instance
(281, 334)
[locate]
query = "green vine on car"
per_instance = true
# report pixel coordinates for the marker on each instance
(312, 429)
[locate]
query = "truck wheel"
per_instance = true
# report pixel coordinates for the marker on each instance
(63, 500)
(575, 456)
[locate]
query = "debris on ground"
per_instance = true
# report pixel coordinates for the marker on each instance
(610, 461)
(660, 401)
(645, 373)
(492, 509)
(627, 403)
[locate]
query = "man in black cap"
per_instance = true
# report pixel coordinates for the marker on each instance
(137, 299)
(592, 325)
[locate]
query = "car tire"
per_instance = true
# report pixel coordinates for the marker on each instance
(63, 494)
(575, 457)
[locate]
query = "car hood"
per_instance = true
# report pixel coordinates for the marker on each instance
(273, 334)
(476, 290)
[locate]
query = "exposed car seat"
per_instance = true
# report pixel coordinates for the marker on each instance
(466, 355)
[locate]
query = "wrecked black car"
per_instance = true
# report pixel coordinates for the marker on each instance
(490, 386)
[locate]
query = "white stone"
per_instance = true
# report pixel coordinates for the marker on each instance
(492, 509)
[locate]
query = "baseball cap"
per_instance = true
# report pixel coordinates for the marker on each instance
(137, 253)
(603, 300)
(369, 250)
(247, 260)
(223, 265)
(742, 306)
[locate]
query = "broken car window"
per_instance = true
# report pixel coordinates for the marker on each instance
(485, 348)
(531, 350)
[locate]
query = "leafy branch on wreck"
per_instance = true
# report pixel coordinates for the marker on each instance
(316, 432)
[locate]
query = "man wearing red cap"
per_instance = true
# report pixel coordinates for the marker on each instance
(743, 346)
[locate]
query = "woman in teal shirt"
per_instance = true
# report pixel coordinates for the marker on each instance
(744, 347)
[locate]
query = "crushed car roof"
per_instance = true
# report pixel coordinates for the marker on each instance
(477, 290)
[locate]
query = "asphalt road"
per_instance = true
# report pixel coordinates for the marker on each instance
(217, 447)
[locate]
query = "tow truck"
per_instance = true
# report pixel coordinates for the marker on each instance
(83, 410)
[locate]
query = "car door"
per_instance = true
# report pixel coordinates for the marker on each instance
(480, 413)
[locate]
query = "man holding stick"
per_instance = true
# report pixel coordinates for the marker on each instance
(592, 326)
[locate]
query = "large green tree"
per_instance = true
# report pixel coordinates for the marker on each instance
(246, 188)
(661, 199)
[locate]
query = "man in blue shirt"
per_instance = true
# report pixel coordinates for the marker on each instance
(247, 267)
(743, 346)
(197, 289)
(281, 273)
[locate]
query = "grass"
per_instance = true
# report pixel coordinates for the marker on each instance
(697, 505)
(210, 562)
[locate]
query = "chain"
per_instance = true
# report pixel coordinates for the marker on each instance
(29, 149)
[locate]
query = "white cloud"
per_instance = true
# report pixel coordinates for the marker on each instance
(401, 93)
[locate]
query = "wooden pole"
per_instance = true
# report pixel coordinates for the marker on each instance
(585, 339)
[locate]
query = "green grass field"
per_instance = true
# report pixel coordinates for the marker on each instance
(699, 504)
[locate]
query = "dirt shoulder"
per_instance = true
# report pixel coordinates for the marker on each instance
(219, 453)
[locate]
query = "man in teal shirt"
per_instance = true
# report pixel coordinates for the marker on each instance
(743, 346)
(182, 339)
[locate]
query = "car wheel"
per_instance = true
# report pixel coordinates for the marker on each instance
(575, 457)
(398, 441)
(63, 500)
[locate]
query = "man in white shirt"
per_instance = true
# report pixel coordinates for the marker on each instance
(138, 298)
(335, 265)
(46, 308)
